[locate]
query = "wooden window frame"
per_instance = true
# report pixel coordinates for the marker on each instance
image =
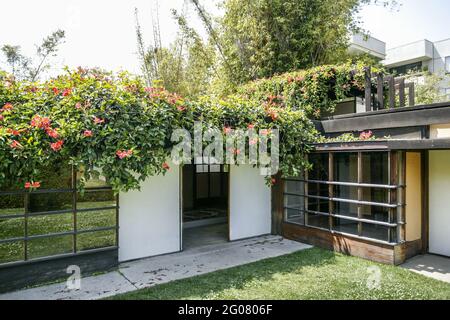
(395, 204)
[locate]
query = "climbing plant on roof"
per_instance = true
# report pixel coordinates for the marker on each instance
(113, 123)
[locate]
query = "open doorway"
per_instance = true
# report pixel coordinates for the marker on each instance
(205, 205)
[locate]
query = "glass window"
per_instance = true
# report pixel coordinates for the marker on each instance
(318, 189)
(402, 70)
(345, 166)
(43, 223)
(319, 170)
(295, 187)
(45, 247)
(345, 209)
(375, 167)
(318, 221)
(12, 251)
(350, 214)
(345, 226)
(294, 202)
(374, 231)
(318, 205)
(94, 240)
(295, 216)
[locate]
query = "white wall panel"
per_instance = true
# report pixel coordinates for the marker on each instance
(439, 202)
(149, 220)
(250, 203)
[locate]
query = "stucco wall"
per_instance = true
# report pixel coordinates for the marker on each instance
(440, 131)
(250, 203)
(439, 202)
(413, 209)
(149, 220)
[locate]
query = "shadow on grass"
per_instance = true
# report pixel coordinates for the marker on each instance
(236, 277)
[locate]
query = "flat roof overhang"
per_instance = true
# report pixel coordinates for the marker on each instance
(385, 145)
(437, 113)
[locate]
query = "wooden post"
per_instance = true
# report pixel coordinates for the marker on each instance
(330, 189)
(391, 92)
(401, 92)
(411, 94)
(380, 93)
(360, 192)
(277, 204)
(26, 211)
(305, 190)
(368, 88)
(74, 208)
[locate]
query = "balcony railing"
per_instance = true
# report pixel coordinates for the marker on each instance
(381, 91)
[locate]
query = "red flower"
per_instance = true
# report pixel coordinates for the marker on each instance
(15, 144)
(13, 132)
(7, 106)
(40, 122)
(250, 126)
(1, 117)
(273, 114)
(55, 91)
(87, 133)
(165, 166)
(235, 151)
(56, 146)
(98, 120)
(273, 181)
(365, 135)
(227, 130)
(52, 133)
(78, 105)
(124, 154)
(264, 132)
(181, 108)
(67, 92)
(253, 141)
(29, 185)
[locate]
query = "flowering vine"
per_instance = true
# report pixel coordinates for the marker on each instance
(115, 124)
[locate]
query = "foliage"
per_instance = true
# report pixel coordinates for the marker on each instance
(117, 125)
(427, 87)
(315, 90)
(185, 66)
(350, 137)
(28, 68)
(258, 39)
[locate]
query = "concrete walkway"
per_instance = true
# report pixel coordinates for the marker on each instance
(156, 270)
(429, 265)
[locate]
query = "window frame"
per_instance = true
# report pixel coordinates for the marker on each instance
(395, 205)
(74, 232)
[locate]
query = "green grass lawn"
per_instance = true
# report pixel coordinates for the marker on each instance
(41, 225)
(308, 274)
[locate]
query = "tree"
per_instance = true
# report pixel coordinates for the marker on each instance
(28, 68)
(266, 37)
(184, 66)
(427, 87)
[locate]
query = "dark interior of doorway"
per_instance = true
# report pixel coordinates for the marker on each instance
(205, 205)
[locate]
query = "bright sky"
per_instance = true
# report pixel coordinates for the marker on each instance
(102, 32)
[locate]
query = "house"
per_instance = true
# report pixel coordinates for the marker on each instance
(422, 55)
(381, 197)
(413, 58)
